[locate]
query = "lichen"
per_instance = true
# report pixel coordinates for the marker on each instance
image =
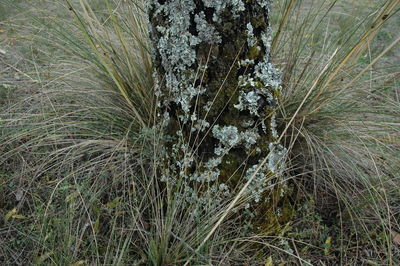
(268, 74)
(261, 174)
(206, 31)
(258, 184)
(276, 157)
(201, 125)
(248, 101)
(226, 109)
(265, 4)
(274, 131)
(246, 62)
(236, 7)
(251, 39)
(228, 135)
(177, 48)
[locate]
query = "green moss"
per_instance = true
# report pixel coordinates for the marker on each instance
(230, 165)
(254, 52)
(258, 23)
(275, 214)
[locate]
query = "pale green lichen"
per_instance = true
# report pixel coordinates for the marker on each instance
(259, 181)
(206, 31)
(247, 123)
(266, 4)
(276, 159)
(249, 138)
(248, 101)
(268, 74)
(177, 49)
(274, 131)
(266, 38)
(261, 174)
(229, 136)
(200, 125)
(251, 39)
(236, 7)
(246, 62)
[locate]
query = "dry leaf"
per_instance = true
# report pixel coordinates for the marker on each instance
(269, 262)
(19, 216)
(78, 263)
(45, 256)
(13, 214)
(396, 237)
(10, 214)
(328, 244)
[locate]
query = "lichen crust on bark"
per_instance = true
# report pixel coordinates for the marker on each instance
(218, 91)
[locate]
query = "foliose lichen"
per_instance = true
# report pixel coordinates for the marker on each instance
(186, 34)
(207, 32)
(251, 39)
(236, 6)
(248, 101)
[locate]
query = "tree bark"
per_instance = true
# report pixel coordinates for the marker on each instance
(218, 90)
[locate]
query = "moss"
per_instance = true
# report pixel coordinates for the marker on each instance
(229, 170)
(277, 94)
(258, 22)
(275, 212)
(254, 52)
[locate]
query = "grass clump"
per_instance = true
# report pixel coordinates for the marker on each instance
(341, 116)
(80, 180)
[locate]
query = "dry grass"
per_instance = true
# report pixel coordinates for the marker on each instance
(79, 176)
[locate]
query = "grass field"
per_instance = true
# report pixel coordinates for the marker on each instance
(80, 182)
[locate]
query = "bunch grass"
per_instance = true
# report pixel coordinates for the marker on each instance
(80, 172)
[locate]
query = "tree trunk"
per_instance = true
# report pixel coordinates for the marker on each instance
(218, 90)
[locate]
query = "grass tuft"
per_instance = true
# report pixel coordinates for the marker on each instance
(80, 178)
